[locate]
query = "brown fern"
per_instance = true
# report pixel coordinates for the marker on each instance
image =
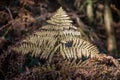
(58, 36)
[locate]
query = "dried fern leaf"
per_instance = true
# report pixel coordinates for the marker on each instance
(76, 48)
(59, 35)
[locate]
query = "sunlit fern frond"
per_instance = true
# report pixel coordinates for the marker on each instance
(60, 18)
(59, 36)
(77, 48)
(39, 44)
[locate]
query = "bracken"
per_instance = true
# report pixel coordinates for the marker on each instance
(59, 36)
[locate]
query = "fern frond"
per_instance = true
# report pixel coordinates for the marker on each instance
(76, 48)
(59, 36)
(60, 18)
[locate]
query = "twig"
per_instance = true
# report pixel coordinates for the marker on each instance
(9, 12)
(6, 31)
(9, 21)
(5, 25)
(11, 16)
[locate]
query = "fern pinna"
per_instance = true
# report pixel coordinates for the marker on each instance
(59, 36)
